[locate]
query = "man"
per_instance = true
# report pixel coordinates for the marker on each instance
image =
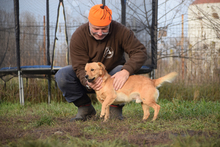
(100, 40)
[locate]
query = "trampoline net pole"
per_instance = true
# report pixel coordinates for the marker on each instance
(154, 36)
(17, 32)
(17, 37)
(21, 88)
(48, 52)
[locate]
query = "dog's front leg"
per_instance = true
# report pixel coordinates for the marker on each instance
(105, 107)
(103, 110)
(107, 115)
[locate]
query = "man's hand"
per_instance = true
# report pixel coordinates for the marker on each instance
(96, 85)
(120, 78)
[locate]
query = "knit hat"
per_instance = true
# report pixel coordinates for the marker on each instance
(100, 16)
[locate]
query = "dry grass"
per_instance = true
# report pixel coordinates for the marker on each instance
(36, 91)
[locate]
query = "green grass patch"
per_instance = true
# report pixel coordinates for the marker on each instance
(179, 123)
(189, 116)
(72, 142)
(44, 120)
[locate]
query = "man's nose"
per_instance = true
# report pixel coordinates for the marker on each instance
(99, 32)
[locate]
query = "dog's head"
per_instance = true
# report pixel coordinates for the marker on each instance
(94, 70)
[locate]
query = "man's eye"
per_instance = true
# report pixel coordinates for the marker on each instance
(92, 69)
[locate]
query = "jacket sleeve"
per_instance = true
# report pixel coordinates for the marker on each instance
(135, 49)
(79, 55)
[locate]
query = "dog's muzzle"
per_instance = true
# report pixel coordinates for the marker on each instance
(89, 80)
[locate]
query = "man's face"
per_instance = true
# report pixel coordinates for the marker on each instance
(98, 32)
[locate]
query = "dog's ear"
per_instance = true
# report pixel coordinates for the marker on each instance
(101, 65)
(102, 68)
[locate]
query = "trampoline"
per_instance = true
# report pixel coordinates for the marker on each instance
(34, 69)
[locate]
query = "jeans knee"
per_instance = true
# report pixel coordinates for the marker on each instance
(116, 69)
(59, 78)
(65, 77)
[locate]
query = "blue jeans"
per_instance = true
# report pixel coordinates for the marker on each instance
(71, 87)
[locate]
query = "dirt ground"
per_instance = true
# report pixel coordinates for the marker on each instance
(13, 129)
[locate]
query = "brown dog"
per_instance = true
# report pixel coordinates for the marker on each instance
(139, 88)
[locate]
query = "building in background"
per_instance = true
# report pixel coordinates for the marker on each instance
(204, 37)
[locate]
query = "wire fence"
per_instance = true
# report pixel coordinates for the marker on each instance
(33, 27)
(191, 49)
(195, 57)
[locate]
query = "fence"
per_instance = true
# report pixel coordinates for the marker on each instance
(33, 30)
(33, 35)
(196, 59)
(191, 44)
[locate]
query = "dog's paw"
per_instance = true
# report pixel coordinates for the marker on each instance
(101, 116)
(138, 100)
(105, 120)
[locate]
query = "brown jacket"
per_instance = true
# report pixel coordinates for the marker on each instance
(84, 48)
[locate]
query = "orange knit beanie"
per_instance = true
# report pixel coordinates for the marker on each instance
(99, 16)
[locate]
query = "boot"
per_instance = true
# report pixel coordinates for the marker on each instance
(84, 112)
(116, 111)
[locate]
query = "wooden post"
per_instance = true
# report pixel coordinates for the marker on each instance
(182, 48)
(44, 44)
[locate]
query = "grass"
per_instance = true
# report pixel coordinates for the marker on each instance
(170, 110)
(189, 116)
(36, 91)
(176, 119)
(73, 142)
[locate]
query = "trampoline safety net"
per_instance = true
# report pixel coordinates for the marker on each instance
(64, 16)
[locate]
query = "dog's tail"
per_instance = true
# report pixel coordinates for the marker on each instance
(167, 78)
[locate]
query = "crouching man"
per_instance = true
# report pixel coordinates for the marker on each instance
(99, 40)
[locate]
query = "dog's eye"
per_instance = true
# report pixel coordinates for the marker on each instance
(92, 69)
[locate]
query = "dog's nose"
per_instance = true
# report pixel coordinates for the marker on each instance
(86, 76)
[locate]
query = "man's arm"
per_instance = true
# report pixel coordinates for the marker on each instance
(137, 56)
(135, 49)
(79, 55)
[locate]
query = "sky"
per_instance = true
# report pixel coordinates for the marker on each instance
(76, 9)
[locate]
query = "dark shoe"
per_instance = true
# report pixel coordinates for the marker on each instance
(116, 111)
(84, 112)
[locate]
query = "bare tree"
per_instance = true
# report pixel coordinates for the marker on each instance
(174, 45)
